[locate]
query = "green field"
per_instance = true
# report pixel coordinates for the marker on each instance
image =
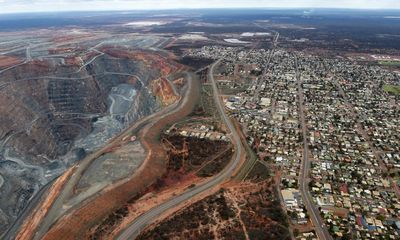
(392, 89)
(390, 63)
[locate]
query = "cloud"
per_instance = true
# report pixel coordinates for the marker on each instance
(7, 6)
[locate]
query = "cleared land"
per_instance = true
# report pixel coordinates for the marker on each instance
(247, 210)
(188, 159)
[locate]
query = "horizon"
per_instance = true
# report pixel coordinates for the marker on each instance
(47, 6)
(213, 8)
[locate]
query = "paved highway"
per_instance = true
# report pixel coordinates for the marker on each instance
(320, 228)
(144, 220)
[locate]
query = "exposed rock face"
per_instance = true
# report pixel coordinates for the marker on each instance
(42, 115)
(52, 113)
(164, 91)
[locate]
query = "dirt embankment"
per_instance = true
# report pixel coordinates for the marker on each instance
(76, 224)
(33, 221)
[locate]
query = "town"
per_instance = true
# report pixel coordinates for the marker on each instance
(328, 128)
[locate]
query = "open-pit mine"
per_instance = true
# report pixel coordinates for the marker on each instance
(67, 98)
(225, 124)
(110, 128)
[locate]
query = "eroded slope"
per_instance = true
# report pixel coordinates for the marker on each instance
(56, 109)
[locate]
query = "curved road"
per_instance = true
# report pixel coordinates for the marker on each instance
(144, 220)
(57, 209)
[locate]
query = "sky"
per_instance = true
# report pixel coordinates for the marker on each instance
(14, 6)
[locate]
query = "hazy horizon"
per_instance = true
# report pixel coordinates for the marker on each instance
(32, 6)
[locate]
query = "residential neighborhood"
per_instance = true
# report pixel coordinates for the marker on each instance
(350, 140)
